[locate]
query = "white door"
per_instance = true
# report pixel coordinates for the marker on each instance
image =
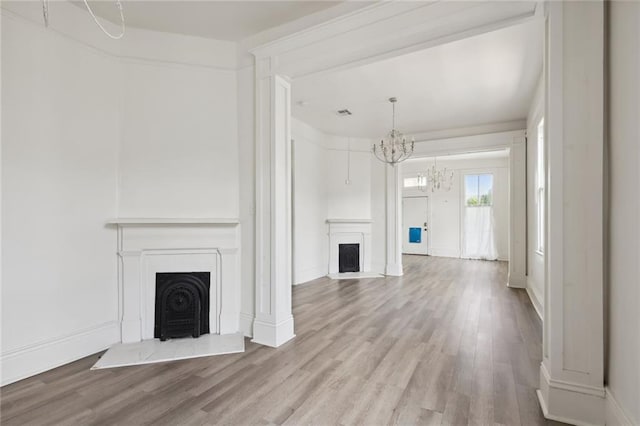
(415, 214)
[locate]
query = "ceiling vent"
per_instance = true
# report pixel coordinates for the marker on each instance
(344, 112)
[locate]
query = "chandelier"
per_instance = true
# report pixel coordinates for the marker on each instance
(435, 179)
(45, 16)
(394, 148)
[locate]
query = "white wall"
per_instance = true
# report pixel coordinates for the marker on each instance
(623, 366)
(310, 203)
(353, 200)
(59, 183)
(535, 260)
(179, 143)
(446, 206)
(94, 129)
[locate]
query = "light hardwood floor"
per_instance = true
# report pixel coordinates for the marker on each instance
(447, 343)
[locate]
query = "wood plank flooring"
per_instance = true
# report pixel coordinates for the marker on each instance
(447, 343)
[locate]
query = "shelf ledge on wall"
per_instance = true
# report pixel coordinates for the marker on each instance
(172, 221)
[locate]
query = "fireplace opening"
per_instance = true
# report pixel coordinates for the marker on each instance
(182, 304)
(348, 258)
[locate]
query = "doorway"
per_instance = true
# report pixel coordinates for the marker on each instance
(415, 229)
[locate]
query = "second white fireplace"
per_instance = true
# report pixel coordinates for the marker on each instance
(349, 241)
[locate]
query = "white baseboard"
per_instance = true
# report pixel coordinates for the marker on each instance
(274, 335)
(535, 300)
(517, 282)
(246, 324)
(615, 415)
(310, 274)
(444, 252)
(571, 403)
(30, 360)
(393, 269)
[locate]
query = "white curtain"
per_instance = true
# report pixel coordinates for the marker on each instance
(479, 235)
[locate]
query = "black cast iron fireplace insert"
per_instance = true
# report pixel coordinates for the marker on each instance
(182, 304)
(348, 258)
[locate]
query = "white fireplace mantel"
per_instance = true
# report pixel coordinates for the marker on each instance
(349, 221)
(349, 231)
(172, 221)
(147, 246)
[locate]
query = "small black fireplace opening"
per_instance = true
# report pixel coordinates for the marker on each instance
(348, 258)
(182, 304)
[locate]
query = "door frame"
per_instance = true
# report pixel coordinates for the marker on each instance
(428, 221)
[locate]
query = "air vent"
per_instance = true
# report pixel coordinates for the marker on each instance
(344, 112)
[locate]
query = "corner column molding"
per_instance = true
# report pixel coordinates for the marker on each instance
(394, 221)
(518, 206)
(273, 323)
(572, 369)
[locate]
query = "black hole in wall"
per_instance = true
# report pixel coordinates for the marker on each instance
(349, 257)
(182, 304)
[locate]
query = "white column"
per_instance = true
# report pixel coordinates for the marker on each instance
(518, 216)
(273, 324)
(571, 379)
(394, 220)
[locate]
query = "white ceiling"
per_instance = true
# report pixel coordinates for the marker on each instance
(222, 20)
(489, 78)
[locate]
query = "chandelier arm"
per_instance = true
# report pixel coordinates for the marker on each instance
(375, 152)
(104, 30)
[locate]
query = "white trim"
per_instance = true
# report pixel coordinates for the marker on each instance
(410, 27)
(572, 403)
(535, 300)
(33, 359)
(444, 252)
(516, 282)
(615, 414)
(459, 132)
(466, 144)
(545, 412)
(394, 270)
(273, 335)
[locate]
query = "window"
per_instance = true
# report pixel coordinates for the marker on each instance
(478, 190)
(540, 185)
(415, 182)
